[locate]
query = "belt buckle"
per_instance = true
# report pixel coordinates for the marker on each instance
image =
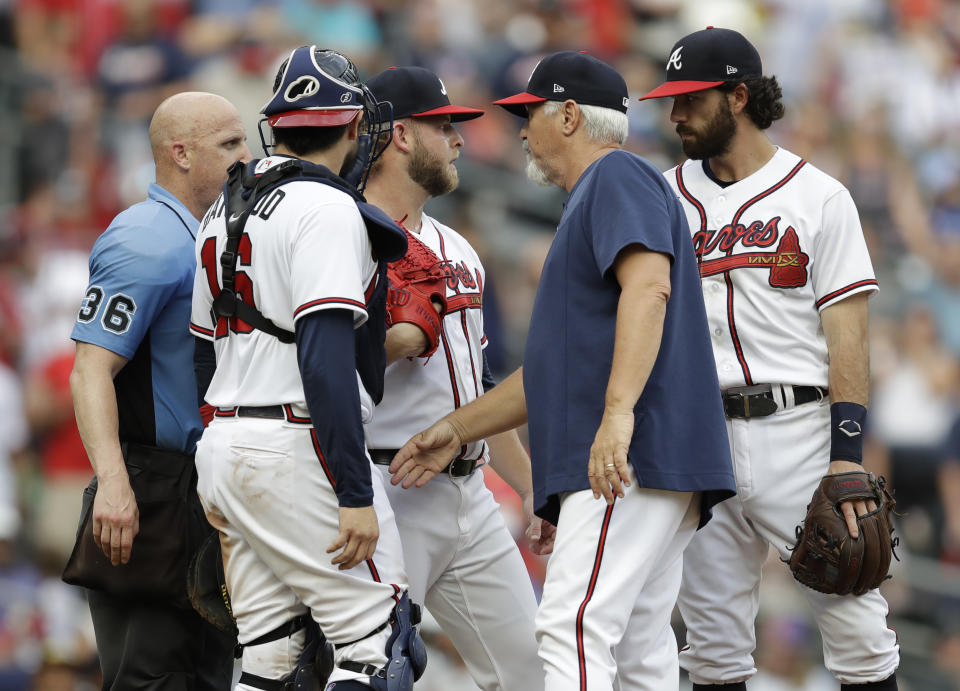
(460, 467)
(729, 399)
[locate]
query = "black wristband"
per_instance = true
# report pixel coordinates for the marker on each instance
(846, 431)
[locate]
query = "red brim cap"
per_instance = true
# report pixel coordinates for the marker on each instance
(456, 113)
(678, 87)
(314, 118)
(515, 104)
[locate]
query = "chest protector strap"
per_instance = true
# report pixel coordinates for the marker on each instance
(240, 194)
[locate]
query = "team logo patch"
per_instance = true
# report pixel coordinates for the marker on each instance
(304, 87)
(731, 70)
(557, 89)
(787, 263)
(346, 97)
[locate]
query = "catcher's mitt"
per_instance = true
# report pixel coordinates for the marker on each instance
(825, 557)
(416, 282)
(207, 587)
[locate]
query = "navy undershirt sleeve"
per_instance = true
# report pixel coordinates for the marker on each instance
(204, 365)
(325, 353)
(487, 377)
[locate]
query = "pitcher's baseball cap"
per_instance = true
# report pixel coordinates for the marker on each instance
(574, 75)
(708, 58)
(417, 92)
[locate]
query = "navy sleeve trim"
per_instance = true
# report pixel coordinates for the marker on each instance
(327, 360)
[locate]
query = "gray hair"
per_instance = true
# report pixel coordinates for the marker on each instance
(602, 125)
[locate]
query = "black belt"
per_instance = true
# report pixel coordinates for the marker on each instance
(458, 467)
(762, 403)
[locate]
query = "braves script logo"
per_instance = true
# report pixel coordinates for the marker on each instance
(787, 264)
(459, 273)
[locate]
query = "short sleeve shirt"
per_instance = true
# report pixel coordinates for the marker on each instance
(137, 305)
(680, 440)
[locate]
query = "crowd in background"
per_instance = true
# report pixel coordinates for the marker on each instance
(872, 89)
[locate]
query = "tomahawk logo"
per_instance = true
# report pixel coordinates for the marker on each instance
(674, 60)
(304, 87)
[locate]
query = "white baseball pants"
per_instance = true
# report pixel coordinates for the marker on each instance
(464, 565)
(611, 585)
(778, 461)
(264, 488)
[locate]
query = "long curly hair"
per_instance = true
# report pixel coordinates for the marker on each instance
(763, 100)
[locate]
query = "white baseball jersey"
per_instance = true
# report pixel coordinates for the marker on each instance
(463, 562)
(418, 393)
(774, 249)
(300, 252)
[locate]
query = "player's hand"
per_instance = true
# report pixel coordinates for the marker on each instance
(359, 532)
(426, 454)
(851, 509)
(540, 533)
(116, 517)
(609, 470)
(405, 340)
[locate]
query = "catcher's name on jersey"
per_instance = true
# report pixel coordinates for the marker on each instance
(304, 248)
(418, 393)
(773, 250)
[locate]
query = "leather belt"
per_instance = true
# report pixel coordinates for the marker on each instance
(766, 399)
(458, 467)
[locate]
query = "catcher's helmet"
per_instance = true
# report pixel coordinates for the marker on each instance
(321, 88)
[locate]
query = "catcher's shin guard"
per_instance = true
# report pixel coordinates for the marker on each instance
(314, 664)
(406, 654)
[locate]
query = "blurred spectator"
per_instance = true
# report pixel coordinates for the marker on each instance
(910, 416)
(948, 482)
(788, 659)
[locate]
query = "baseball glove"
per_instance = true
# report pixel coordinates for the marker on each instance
(825, 557)
(207, 587)
(416, 281)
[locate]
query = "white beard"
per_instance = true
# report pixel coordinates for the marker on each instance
(535, 172)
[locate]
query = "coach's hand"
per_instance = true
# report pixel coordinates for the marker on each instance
(609, 470)
(116, 517)
(426, 454)
(359, 532)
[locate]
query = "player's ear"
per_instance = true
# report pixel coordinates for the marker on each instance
(738, 98)
(353, 128)
(402, 136)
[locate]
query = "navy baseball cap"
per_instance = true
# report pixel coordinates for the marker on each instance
(416, 92)
(706, 59)
(318, 88)
(574, 75)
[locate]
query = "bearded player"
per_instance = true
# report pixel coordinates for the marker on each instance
(785, 276)
(462, 562)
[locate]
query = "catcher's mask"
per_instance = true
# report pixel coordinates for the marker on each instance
(322, 88)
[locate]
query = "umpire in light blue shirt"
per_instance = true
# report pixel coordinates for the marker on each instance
(627, 435)
(136, 402)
